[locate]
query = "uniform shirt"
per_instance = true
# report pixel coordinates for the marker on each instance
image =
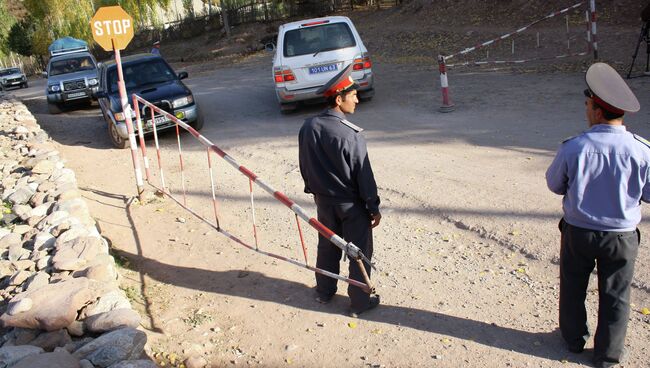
(603, 175)
(155, 51)
(334, 161)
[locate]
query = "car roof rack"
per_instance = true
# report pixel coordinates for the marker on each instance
(68, 51)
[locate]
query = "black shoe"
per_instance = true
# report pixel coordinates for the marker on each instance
(607, 363)
(324, 299)
(372, 304)
(576, 349)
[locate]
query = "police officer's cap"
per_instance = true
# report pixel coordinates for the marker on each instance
(156, 43)
(609, 91)
(341, 82)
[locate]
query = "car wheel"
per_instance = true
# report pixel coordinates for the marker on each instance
(198, 124)
(116, 139)
(53, 108)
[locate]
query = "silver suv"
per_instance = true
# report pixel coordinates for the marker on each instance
(12, 77)
(71, 78)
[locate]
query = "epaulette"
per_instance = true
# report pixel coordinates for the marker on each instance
(570, 138)
(352, 126)
(642, 140)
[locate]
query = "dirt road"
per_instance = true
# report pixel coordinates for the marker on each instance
(467, 247)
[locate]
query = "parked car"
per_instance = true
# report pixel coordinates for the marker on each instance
(310, 52)
(12, 77)
(71, 77)
(150, 77)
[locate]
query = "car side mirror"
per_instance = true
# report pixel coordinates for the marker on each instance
(269, 47)
(182, 75)
(100, 94)
(44, 74)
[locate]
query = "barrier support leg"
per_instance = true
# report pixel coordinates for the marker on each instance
(447, 106)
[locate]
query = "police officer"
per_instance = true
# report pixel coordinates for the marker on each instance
(336, 169)
(603, 176)
(156, 48)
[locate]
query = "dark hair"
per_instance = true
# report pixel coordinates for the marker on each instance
(331, 100)
(608, 115)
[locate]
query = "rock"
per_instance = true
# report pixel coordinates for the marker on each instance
(16, 253)
(104, 272)
(38, 199)
(55, 305)
(44, 263)
(50, 340)
(6, 269)
(21, 229)
(24, 264)
(10, 240)
(38, 280)
(43, 167)
(22, 195)
(69, 194)
(46, 186)
(19, 277)
(195, 362)
(21, 336)
(22, 305)
(41, 210)
(86, 364)
(108, 321)
(115, 299)
(57, 359)
(110, 348)
(44, 240)
(22, 211)
(76, 328)
(4, 232)
(134, 364)
(61, 228)
(12, 354)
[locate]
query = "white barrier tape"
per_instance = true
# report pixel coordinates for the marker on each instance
(444, 82)
(516, 61)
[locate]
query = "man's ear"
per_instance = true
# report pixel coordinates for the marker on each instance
(339, 100)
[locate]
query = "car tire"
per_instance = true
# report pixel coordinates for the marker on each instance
(116, 139)
(198, 124)
(53, 108)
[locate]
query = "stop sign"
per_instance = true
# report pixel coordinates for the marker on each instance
(112, 24)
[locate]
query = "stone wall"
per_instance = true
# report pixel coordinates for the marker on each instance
(60, 301)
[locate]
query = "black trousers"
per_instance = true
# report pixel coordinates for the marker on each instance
(614, 253)
(352, 222)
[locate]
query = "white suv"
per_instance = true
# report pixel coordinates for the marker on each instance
(310, 52)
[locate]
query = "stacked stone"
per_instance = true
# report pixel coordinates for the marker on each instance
(59, 296)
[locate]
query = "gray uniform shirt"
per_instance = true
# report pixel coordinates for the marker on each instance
(334, 161)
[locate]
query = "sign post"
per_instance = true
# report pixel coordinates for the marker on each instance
(112, 29)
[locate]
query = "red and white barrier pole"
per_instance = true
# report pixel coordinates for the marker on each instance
(594, 42)
(143, 147)
(126, 110)
(588, 18)
(447, 106)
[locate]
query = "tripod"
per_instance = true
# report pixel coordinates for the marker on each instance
(644, 36)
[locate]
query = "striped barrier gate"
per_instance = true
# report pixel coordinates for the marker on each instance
(351, 250)
(448, 106)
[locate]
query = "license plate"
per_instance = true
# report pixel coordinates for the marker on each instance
(323, 68)
(14, 83)
(159, 121)
(76, 94)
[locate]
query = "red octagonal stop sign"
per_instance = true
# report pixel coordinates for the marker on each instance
(111, 24)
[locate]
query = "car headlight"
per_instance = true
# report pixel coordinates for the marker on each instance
(120, 116)
(92, 82)
(54, 88)
(23, 77)
(183, 101)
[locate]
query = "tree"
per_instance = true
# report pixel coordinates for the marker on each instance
(6, 22)
(21, 36)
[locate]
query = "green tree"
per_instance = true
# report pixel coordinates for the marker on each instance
(6, 21)
(21, 36)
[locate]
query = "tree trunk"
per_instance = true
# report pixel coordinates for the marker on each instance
(226, 23)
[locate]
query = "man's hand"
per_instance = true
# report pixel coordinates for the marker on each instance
(375, 219)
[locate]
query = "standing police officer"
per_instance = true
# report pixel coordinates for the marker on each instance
(603, 176)
(335, 168)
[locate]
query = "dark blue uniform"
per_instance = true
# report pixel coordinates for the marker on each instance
(335, 168)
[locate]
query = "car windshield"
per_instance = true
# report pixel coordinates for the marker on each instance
(316, 39)
(71, 65)
(9, 71)
(137, 75)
